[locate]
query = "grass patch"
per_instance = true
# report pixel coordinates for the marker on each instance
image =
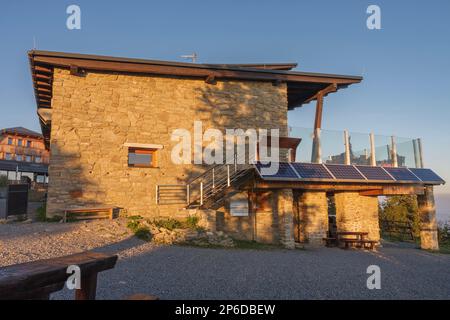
(143, 233)
(444, 248)
(253, 245)
(190, 222)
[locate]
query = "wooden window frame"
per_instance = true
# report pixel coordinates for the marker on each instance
(152, 152)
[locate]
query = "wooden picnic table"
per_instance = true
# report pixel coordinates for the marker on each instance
(358, 238)
(38, 279)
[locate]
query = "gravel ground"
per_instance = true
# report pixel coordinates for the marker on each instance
(176, 272)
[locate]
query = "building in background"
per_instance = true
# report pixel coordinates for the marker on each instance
(23, 154)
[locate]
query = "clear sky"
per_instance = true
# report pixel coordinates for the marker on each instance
(406, 64)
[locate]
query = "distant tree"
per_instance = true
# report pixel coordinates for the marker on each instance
(401, 208)
(3, 181)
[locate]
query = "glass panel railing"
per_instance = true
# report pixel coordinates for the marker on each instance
(329, 146)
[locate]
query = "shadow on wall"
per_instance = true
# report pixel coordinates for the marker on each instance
(235, 105)
(71, 183)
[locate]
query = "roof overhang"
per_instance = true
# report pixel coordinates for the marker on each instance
(302, 87)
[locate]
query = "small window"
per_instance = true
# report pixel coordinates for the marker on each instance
(37, 159)
(138, 157)
(28, 158)
(8, 156)
(19, 157)
(10, 141)
(28, 143)
(19, 142)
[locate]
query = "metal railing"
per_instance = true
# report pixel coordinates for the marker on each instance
(205, 186)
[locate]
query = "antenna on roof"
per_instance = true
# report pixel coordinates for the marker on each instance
(193, 57)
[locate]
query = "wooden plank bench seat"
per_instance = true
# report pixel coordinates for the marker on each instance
(369, 244)
(38, 279)
(88, 213)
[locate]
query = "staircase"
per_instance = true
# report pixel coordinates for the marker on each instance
(209, 189)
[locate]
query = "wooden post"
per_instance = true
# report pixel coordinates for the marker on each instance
(88, 287)
(347, 147)
(373, 159)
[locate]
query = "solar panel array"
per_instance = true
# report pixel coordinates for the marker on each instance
(337, 172)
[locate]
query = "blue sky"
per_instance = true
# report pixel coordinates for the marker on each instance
(406, 87)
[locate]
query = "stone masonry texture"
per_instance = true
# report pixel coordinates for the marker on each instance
(96, 114)
(356, 213)
(313, 217)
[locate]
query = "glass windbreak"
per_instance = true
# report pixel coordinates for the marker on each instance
(329, 146)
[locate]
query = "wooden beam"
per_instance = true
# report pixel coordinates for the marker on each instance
(211, 79)
(43, 84)
(394, 191)
(319, 111)
(43, 69)
(324, 92)
(371, 188)
(44, 77)
(41, 95)
(147, 68)
(39, 89)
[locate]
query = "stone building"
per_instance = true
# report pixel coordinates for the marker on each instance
(23, 154)
(109, 125)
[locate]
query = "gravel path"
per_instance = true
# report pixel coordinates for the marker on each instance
(178, 272)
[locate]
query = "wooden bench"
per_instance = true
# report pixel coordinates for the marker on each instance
(38, 279)
(88, 213)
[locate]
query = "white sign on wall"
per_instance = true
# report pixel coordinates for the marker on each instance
(239, 208)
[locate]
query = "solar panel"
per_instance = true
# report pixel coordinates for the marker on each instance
(311, 171)
(402, 174)
(375, 173)
(285, 171)
(426, 175)
(345, 172)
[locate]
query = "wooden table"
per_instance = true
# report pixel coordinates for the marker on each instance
(38, 279)
(357, 238)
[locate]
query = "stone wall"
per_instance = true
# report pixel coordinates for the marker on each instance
(312, 217)
(356, 213)
(95, 115)
(428, 224)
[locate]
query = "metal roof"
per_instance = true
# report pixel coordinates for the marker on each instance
(9, 165)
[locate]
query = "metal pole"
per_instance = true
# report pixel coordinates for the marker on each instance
(419, 141)
(373, 157)
(214, 179)
(157, 194)
(316, 156)
(235, 162)
(416, 153)
(201, 193)
(228, 175)
(394, 152)
(188, 194)
(347, 147)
